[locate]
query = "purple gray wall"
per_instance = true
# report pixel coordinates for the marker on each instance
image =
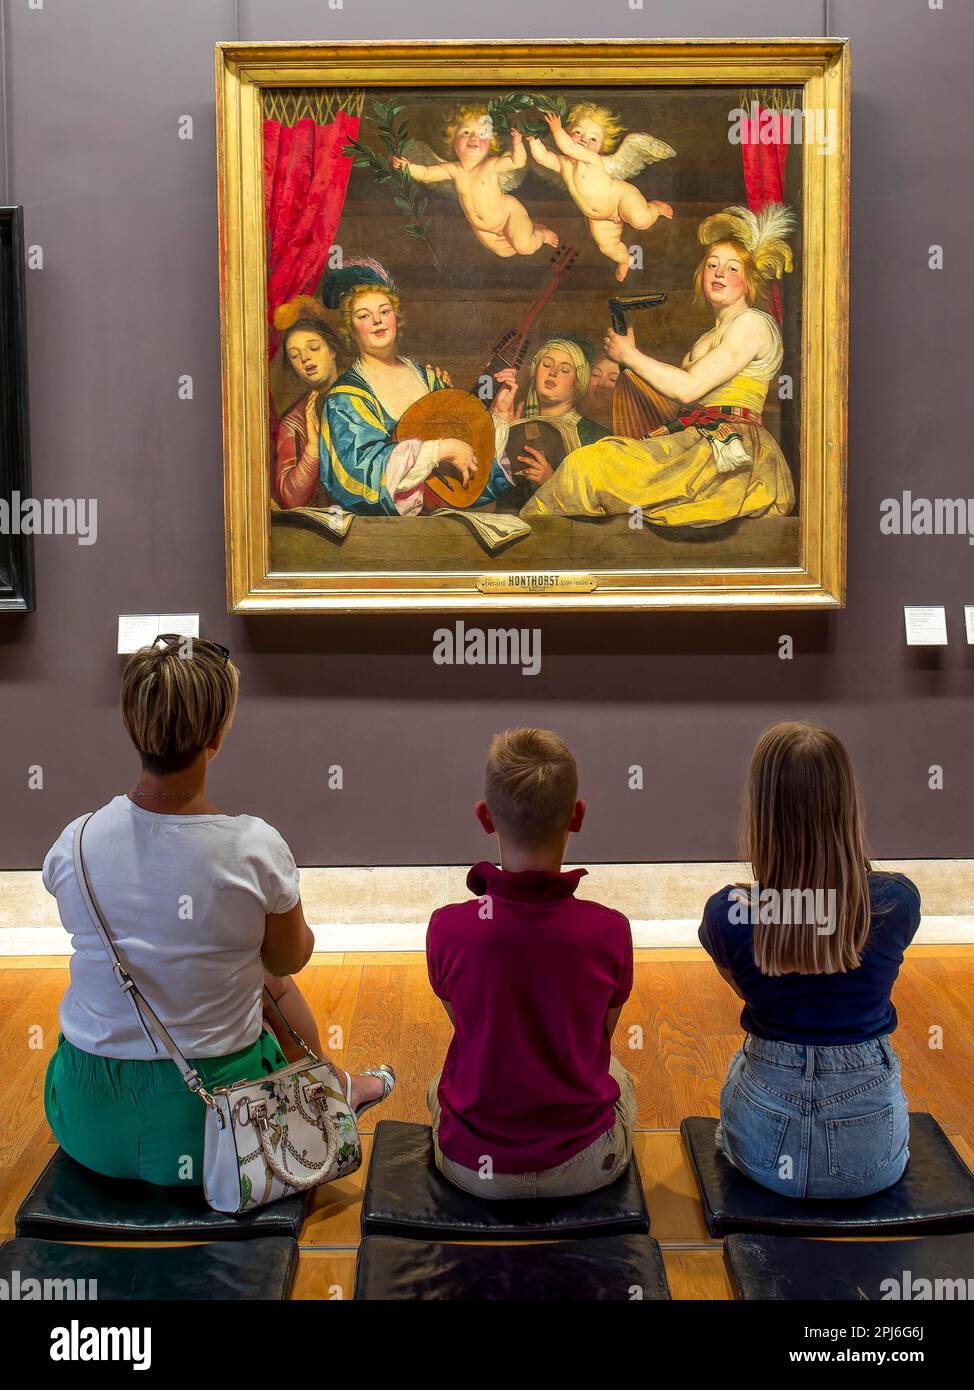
(127, 302)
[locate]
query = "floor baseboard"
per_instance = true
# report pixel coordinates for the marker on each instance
(411, 936)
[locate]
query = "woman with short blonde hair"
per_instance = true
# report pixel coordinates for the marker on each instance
(812, 1105)
(203, 909)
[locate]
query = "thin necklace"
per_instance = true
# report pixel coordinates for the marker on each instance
(173, 796)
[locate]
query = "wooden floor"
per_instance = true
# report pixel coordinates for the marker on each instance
(382, 1010)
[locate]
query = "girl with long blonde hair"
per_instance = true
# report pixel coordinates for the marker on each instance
(812, 1105)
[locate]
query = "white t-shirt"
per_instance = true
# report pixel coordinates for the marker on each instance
(185, 899)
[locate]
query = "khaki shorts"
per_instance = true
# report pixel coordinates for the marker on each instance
(595, 1167)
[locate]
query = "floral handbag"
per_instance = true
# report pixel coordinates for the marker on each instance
(279, 1134)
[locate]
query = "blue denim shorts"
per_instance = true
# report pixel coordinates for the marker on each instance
(815, 1121)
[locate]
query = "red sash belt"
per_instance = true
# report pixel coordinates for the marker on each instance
(707, 415)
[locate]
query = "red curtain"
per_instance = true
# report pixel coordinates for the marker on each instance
(764, 170)
(305, 182)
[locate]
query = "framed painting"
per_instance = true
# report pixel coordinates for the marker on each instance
(16, 549)
(511, 326)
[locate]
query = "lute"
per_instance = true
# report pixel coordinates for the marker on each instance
(637, 407)
(455, 414)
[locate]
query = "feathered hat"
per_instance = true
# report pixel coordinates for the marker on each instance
(761, 233)
(302, 306)
(362, 270)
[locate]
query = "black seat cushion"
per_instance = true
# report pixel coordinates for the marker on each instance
(603, 1269)
(777, 1267)
(405, 1195)
(936, 1193)
(69, 1202)
(263, 1268)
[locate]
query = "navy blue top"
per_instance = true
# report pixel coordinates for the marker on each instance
(820, 1009)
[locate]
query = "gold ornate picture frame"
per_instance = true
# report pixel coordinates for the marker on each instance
(327, 159)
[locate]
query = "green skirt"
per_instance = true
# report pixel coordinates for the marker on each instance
(136, 1119)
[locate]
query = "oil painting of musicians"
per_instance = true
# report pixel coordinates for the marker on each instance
(540, 328)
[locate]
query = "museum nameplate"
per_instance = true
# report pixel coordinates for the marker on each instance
(537, 583)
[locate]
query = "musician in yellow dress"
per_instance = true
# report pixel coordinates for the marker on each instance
(716, 461)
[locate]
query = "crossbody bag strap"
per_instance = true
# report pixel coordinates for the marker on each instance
(299, 1040)
(124, 980)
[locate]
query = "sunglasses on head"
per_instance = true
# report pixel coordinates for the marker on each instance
(175, 639)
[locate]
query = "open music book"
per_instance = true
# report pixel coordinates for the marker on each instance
(494, 530)
(332, 520)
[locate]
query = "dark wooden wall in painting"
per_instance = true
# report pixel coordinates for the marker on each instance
(128, 301)
(16, 551)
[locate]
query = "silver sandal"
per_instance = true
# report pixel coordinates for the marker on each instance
(388, 1078)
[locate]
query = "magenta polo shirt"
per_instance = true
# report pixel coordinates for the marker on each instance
(530, 972)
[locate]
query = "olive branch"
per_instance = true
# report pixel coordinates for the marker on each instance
(410, 198)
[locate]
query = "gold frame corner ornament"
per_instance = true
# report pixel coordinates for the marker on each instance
(819, 67)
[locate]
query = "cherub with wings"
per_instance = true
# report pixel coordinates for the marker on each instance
(483, 179)
(595, 176)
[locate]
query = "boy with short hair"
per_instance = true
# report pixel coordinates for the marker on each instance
(530, 1101)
